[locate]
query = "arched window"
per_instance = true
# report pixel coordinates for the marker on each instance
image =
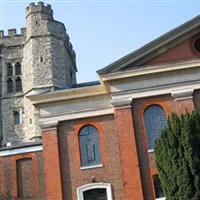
(18, 68)
(16, 117)
(9, 69)
(97, 191)
(18, 84)
(89, 146)
(9, 85)
(155, 120)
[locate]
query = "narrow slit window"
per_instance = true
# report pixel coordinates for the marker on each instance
(16, 117)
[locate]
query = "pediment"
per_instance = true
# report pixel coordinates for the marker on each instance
(175, 46)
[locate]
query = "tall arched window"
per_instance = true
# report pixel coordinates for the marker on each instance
(9, 69)
(9, 85)
(18, 84)
(18, 68)
(89, 146)
(155, 120)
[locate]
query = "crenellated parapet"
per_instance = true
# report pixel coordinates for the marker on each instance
(39, 7)
(13, 38)
(13, 33)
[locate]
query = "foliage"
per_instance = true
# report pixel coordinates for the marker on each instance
(177, 155)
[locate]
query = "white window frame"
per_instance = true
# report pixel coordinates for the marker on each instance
(90, 186)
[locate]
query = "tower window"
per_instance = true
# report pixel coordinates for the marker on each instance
(9, 85)
(16, 117)
(89, 146)
(41, 59)
(18, 68)
(9, 69)
(18, 84)
(155, 120)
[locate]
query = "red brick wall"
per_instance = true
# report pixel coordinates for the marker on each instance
(129, 155)
(72, 175)
(180, 52)
(51, 164)
(24, 168)
(30, 174)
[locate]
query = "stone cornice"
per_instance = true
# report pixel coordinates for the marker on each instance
(49, 125)
(67, 94)
(151, 70)
(183, 94)
(123, 102)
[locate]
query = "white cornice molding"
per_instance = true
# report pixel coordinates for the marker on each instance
(73, 93)
(123, 102)
(151, 70)
(183, 94)
(20, 150)
(149, 92)
(49, 125)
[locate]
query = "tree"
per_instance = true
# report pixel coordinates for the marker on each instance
(177, 155)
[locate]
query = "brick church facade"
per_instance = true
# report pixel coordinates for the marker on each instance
(61, 140)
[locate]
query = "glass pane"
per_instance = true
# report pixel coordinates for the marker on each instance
(18, 83)
(95, 194)
(155, 120)
(89, 146)
(9, 86)
(18, 68)
(9, 69)
(157, 187)
(16, 118)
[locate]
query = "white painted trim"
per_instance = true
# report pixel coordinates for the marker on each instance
(92, 166)
(72, 93)
(90, 186)
(151, 70)
(150, 150)
(148, 92)
(20, 150)
(162, 198)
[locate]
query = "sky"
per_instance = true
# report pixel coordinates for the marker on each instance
(103, 31)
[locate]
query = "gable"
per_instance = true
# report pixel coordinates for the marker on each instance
(181, 52)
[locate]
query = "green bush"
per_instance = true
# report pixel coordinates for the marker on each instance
(177, 155)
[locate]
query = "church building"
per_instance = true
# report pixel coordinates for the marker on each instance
(63, 140)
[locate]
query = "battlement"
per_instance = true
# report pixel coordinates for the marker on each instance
(13, 33)
(39, 7)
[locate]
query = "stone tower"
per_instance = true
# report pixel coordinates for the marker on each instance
(49, 60)
(40, 58)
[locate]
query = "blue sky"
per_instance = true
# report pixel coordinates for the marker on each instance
(103, 31)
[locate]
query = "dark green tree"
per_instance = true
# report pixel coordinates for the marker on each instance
(177, 155)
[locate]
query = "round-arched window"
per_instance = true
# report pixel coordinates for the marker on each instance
(89, 146)
(155, 120)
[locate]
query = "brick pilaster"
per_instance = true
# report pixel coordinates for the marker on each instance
(51, 163)
(184, 101)
(128, 150)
